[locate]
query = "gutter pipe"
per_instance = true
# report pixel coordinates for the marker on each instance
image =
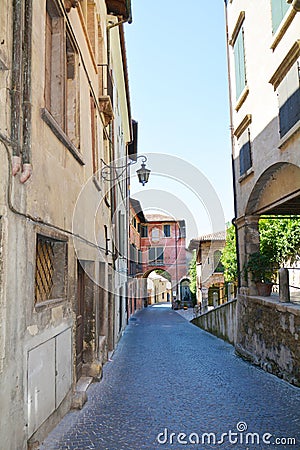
(27, 59)
(232, 150)
(16, 86)
(21, 89)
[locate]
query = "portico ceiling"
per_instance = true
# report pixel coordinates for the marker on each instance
(286, 207)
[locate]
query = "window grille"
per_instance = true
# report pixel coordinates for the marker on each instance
(50, 269)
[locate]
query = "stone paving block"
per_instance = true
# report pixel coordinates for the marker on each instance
(168, 374)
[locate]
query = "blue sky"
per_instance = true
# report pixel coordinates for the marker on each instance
(179, 94)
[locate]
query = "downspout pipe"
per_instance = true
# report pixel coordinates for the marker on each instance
(27, 60)
(16, 84)
(232, 149)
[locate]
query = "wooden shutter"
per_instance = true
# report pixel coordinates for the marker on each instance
(151, 255)
(160, 255)
(239, 58)
(279, 8)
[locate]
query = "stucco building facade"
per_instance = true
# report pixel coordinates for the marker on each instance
(157, 243)
(137, 285)
(264, 81)
(163, 245)
(209, 270)
(65, 118)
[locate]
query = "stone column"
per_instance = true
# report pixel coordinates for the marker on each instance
(230, 291)
(248, 243)
(284, 288)
(215, 299)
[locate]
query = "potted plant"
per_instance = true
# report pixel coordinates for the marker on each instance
(262, 273)
(185, 305)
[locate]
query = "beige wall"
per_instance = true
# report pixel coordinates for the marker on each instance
(61, 199)
(270, 341)
(261, 102)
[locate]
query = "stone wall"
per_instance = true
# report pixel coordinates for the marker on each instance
(220, 321)
(268, 335)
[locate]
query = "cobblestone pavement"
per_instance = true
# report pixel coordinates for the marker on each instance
(187, 314)
(168, 376)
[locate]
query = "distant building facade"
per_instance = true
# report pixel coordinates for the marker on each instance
(158, 243)
(137, 285)
(163, 245)
(158, 289)
(210, 272)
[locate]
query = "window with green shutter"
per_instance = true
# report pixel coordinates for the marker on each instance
(239, 59)
(289, 99)
(279, 8)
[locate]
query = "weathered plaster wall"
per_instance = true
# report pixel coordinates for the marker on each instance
(268, 334)
(60, 197)
(221, 322)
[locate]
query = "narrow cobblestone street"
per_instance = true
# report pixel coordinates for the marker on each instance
(168, 376)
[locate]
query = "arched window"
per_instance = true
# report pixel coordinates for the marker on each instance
(155, 235)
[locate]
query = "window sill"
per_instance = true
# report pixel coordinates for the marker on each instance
(280, 32)
(61, 135)
(242, 98)
(246, 175)
(49, 303)
(295, 129)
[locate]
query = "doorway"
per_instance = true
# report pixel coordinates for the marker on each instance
(79, 319)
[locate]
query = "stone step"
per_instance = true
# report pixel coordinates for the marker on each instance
(80, 396)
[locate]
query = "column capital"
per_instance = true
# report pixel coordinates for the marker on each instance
(243, 221)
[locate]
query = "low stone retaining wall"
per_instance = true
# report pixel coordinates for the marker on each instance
(263, 330)
(220, 321)
(268, 334)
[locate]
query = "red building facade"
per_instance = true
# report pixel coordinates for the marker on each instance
(163, 246)
(156, 242)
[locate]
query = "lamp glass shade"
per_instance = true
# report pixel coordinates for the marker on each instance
(143, 174)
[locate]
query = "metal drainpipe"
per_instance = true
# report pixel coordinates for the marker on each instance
(27, 59)
(16, 86)
(232, 149)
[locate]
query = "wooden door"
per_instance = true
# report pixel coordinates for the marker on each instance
(79, 320)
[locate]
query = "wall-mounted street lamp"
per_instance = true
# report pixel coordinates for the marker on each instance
(113, 172)
(143, 173)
